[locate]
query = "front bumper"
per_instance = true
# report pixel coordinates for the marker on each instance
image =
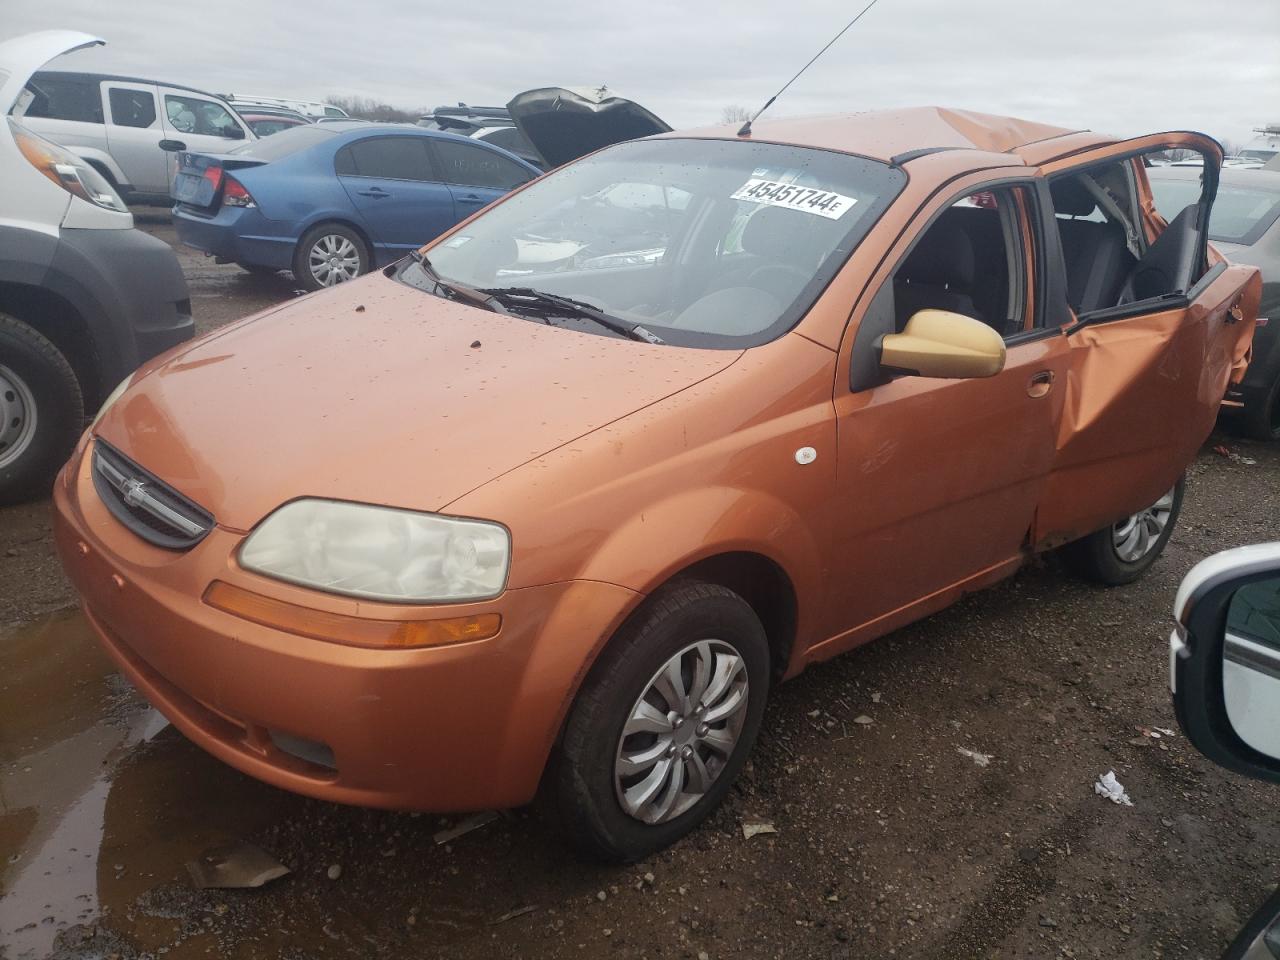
(450, 728)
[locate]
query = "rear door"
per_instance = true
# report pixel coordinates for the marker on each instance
(201, 124)
(1147, 376)
(393, 184)
(477, 176)
(134, 132)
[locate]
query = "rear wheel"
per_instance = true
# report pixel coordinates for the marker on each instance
(329, 254)
(1261, 420)
(1124, 551)
(41, 411)
(663, 724)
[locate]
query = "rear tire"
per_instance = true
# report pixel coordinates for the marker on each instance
(41, 411)
(707, 632)
(1124, 551)
(1261, 420)
(329, 254)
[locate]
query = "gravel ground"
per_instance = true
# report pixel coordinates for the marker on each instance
(891, 840)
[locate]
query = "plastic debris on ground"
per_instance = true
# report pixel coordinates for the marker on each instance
(235, 866)
(1108, 786)
(751, 828)
(512, 914)
(473, 822)
(1223, 450)
(981, 759)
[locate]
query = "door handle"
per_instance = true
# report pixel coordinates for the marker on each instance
(471, 198)
(373, 192)
(1040, 384)
(172, 146)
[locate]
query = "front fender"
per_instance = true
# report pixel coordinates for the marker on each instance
(652, 546)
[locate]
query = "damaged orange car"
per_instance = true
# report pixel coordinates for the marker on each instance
(556, 501)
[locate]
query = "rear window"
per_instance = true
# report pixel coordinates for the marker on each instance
(386, 158)
(285, 142)
(65, 98)
(1241, 214)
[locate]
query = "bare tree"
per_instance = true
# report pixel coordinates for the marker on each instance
(734, 113)
(366, 108)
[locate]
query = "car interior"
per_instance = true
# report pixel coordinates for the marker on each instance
(963, 264)
(1107, 258)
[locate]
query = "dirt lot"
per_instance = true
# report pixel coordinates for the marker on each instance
(890, 841)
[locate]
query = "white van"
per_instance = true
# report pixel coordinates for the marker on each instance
(118, 124)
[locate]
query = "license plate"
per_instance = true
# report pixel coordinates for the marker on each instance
(186, 187)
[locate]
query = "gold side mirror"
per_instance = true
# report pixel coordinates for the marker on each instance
(938, 343)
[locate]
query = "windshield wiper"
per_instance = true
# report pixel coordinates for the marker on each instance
(539, 301)
(458, 291)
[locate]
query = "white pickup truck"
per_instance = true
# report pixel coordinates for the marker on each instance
(119, 123)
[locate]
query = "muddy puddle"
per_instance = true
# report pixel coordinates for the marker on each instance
(102, 804)
(99, 797)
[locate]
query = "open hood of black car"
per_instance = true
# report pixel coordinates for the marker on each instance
(564, 123)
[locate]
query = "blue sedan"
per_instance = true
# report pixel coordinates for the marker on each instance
(332, 201)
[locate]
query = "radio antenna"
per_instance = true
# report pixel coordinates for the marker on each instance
(745, 130)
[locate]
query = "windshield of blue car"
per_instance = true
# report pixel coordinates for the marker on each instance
(282, 144)
(1240, 214)
(717, 243)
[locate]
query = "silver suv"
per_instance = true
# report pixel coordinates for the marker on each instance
(118, 123)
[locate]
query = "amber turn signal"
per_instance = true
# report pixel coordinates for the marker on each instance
(341, 628)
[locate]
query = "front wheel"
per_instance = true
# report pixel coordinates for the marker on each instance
(1124, 551)
(41, 411)
(663, 724)
(329, 254)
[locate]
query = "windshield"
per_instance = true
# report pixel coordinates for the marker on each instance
(1240, 214)
(702, 242)
(285, 142)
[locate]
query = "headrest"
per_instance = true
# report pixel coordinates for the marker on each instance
(945, 258)
(1071, 197)
(778, 234)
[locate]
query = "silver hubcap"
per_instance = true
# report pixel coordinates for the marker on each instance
(17, 416)
(681, 731)
(333, 259)
(1136, 536)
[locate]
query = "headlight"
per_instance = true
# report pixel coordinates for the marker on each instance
(380, 553)
(66, 169)
(112, 398)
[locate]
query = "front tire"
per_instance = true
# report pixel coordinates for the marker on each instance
(663, 724)
(1261, 420)
(329, 254)
(41, 411)
(1124, 551)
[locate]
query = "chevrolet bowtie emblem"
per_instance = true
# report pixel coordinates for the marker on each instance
(134, 492)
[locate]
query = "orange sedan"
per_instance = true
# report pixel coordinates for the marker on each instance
(558, 499)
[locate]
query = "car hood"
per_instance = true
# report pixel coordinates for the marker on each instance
(565, 123)
(379, 393)
(23, 56)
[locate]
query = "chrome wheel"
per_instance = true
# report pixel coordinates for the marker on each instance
(681, 731)
(333, 259)
(17, 416)
(1136, 536)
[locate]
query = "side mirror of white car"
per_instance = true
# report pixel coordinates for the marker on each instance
(1225, 660)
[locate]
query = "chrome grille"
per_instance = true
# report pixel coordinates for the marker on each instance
(146, 504)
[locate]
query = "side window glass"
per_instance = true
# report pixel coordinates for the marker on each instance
(971, 260)
(470, 166)
(390, 158)
(65, 98)
(201, 117)
(132, 108)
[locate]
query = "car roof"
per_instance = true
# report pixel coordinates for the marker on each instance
(360, 130)
(98, 77)
(886, 134)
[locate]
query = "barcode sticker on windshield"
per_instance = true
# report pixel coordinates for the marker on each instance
(823, 203)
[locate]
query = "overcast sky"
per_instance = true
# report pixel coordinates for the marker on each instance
(1120, 66)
